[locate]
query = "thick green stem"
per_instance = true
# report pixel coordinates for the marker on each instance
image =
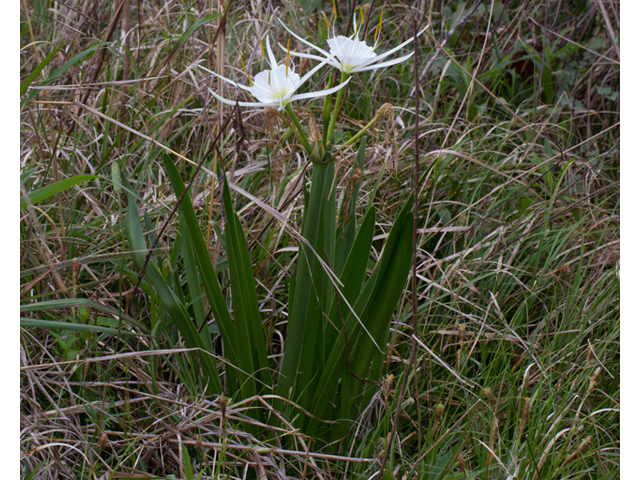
(299, 131)
(336, 109)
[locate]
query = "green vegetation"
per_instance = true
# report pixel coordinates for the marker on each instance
(158, 303)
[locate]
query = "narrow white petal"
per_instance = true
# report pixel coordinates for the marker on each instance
(331, 60)
(303, 55)
(235, 84)
(321, 93)
(272, 58)
(242, 104)
(404, 44)
(376, 66)
(309, 44)
(316, 68)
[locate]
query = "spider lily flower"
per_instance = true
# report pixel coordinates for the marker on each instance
(276, 86)
(351, 55)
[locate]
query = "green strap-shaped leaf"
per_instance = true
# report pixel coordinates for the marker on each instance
(168, 298)
(65, 303)
(375, 305)
(352, 278)
(207, 273)
(194, 285)
(298, 311)
(250, 343)
(49, 191)
(321, 295)
(347, 224)
(367, 362)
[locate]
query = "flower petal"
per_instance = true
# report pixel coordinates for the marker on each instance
(242, 104)
(235, 84)
(404, 44)
(321, 93)
(309, 44)
(272, 58)
(302, 55)
(376, 65)
(316, 68)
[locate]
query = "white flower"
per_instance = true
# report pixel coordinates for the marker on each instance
(275, 87)
(351, 55)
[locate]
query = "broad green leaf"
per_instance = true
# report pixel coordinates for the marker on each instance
(352, 277)
(186, 463)
(176, 310)
(548, 85)
(375, 305)
(207, 273)
(298, 310)
(346, 231)
(248, 325)
(321, 295)
(49, 191)
(377, 317)
(194, 284)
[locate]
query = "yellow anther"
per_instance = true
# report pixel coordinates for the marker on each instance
(286, 71)
(378, 29)
(335, 10)
(245, 71)
(269, 77)
(262, 48)
(326, 20)
(361, 15)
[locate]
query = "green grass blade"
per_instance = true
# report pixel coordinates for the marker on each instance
(368, 361)
(65, 303)
(74, 327)
(196, 25)
(313, 353)
(328, 218)
(36, 71)
(59, 72)
(48, 191)
(194, 285)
